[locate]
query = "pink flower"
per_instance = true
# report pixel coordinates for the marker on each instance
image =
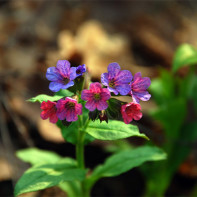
(49, 111)
(96, 97)
(131, 111)
(68, 109)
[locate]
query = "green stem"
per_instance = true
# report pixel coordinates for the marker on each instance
(85, 192)
(80, 149)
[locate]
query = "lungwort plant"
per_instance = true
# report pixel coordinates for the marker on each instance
(84, 115)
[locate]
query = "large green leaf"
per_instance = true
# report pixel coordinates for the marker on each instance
(185, 55)
(48, 175)
(126, 160)
(113, 130)
(36, 156)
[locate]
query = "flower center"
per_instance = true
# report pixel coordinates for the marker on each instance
(70, 105)
(112, 84)
(65, 81)
(97, 96)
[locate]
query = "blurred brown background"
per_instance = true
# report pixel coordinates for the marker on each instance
(34, 34)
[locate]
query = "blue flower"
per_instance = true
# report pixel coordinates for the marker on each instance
(61, 76)
(80, 70)
(116, 80)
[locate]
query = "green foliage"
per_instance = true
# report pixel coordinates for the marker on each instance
(36, 156)
(48, 175)
(163, 88)
(126, 160)
(167, 114)
(185, 55)
(113, 130)
(114, 107)
(70, 133)
(43, 97)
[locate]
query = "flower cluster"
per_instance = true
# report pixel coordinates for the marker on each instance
(97, 97)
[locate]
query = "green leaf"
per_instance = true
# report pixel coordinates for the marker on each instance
(126, 160)
(36, 156)
(114, 130)
(64, 93)
(48, 175)
(185, 55)
(43, 97)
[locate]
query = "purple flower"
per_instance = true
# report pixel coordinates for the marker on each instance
(139, 87)
(96, 97)
(61, 76)
(68, 109)
(80, 70)
(116, 80)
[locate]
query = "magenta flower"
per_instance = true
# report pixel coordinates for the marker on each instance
(68, 109)
(131, 111)
(139, 87)
(96, 97)
(61, 76)
(116, 80)
(49, 111)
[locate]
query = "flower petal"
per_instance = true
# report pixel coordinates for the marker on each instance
(102, 105)
(144, 96)
(113, 69)
(137, 115)
(139, 83)
(86, 95)
(105, 94)
(55, 86)
(113, 90)
(95, 87)
(78, 109)
(63, 67)
(71, 115)
(68, 85)
(73, 74)
(53, 74)
(104, 79)
(124, 76)
(53, 118)
(91, 105)
(61, 114)
(123, 89)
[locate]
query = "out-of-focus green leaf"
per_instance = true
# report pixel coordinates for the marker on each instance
(163, 89)
(113, 130)
(171, 115)
(48, 175)
(185, 55)
(37, 157)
